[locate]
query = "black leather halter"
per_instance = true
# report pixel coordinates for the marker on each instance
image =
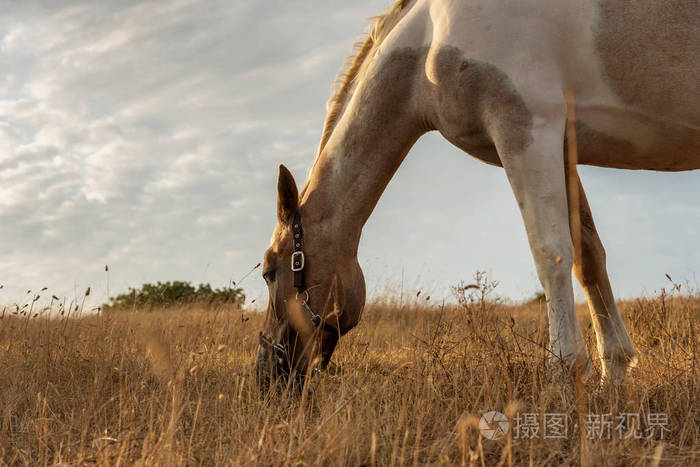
(298, 255)
(298, 263)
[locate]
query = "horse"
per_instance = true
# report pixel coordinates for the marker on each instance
(533, 86)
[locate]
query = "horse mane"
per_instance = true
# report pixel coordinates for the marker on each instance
(356, 64)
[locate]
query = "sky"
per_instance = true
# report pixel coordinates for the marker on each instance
(146, 136)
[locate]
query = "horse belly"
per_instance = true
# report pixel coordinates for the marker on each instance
(638, 143)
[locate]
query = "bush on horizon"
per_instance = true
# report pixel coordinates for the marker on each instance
(165, 294)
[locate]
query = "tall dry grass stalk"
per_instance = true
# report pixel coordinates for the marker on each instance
(407, 387)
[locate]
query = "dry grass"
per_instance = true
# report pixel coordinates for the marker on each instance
(406, 387)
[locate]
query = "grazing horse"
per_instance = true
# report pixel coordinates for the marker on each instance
(493, 79)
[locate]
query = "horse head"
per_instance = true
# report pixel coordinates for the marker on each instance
(316, 290)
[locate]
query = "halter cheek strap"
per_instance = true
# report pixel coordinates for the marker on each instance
(298, 263)
(298, 255)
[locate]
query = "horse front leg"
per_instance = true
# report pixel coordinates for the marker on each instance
(537, 176)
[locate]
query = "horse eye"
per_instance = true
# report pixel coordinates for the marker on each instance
(269, 276)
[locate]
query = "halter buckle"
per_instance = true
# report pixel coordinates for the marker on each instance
(297, 261)
(315, 318)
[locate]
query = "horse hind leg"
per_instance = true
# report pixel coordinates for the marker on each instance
(615, 348)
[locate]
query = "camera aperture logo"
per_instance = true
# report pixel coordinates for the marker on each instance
(493, 425)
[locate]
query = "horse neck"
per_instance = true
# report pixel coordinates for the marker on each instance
(364, 151)
(355, 166)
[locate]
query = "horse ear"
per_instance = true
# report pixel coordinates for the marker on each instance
(287, 195)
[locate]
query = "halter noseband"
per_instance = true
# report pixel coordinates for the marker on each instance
(298, 263)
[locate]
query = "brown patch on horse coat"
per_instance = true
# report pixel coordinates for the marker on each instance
(650, 52)
(477, 104)
(597, 145)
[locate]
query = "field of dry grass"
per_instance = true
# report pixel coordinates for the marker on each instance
(408, 386)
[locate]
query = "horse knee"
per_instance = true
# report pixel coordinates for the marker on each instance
(554, 263)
